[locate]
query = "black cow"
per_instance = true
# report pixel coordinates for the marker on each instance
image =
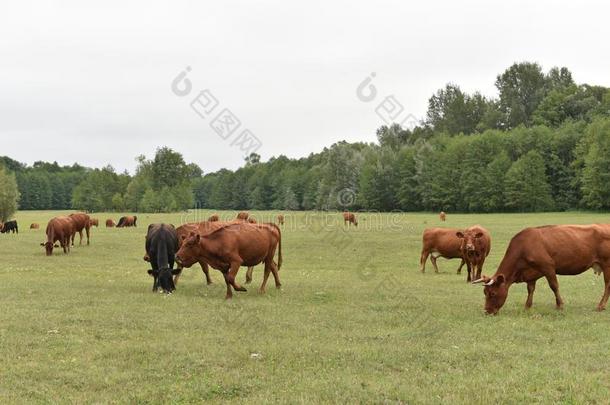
(10, 226)
(161, 248)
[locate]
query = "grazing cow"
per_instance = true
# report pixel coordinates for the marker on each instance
(234, 245)
(59, 229)
(440, 242)
(127, 222)
(280, 219)
(349, 218)
(81, 221)
(110, 223)
(10, 226)
(475, 247)
(34, 226)
(443, 216)
(243, 215)
(94, 222)
(549, 251)
(214, 218)
(161, 247)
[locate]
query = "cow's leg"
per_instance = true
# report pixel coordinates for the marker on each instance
(88, 234)
(276, 275)
(470, 269)
(231, 275)
(423, 259)
(479, 268)
(249, 274)
(433, 261)
(602, 304)
(177, 276)
(229, 294)
(554, 284)
(206, 272)
(531, 287)
(265, 278)
(459, 270)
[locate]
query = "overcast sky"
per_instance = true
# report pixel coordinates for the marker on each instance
(93, 84)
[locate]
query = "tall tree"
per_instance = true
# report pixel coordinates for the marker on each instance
(522, 87)
(526, 185)
(9, 195)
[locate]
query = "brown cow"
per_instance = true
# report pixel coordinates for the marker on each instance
(280, 219)
(443, 216)
(110, 223)
(475, 247)
(94, 222)
(183, 233)
(59, 229)
(203, 227)
(440, 242)
(127, 221)
(232, 246)
(214, 218)
(34, 226)
(349, 218)
(81, 221)
(243, 215)
(549, 251)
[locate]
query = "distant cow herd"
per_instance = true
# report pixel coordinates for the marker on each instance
(533, 253)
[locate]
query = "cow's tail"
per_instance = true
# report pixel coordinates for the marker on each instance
(279, 253)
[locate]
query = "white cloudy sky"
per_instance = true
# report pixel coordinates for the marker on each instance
(92, 83)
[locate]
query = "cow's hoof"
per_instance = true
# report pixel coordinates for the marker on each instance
(600, 309)
(241, 289)
(261, 291)
(210, 282)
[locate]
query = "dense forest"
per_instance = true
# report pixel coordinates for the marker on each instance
(542, 144)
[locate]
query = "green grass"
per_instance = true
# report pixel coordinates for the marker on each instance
(355, 321)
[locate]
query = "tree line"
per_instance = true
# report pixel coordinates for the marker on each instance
(542, 144)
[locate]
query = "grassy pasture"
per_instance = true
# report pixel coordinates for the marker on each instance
(355, 321)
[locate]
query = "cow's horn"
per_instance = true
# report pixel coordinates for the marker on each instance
(490, 282)
(478, 281)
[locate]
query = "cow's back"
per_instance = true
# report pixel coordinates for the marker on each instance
(569, 249)
(443, 241)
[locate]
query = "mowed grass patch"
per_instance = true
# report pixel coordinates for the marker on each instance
(355, 321)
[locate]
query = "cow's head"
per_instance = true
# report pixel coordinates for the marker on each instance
(48, 246)
(187, 254)
(496, 291)
(164, 278)
(469, 241)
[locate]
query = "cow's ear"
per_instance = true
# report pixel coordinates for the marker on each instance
(152, 272)
(459, 234)
(176, 271)
(500, 279)
(479, 235)
(197, 238)
(43, 244)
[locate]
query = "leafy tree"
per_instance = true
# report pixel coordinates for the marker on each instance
(596, 172)
(526, 186)
(9, 195)
(451, 110)
(522, 87)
